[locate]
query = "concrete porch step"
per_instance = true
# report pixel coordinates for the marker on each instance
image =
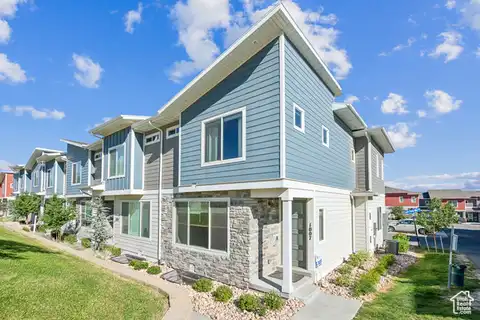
(306, 293)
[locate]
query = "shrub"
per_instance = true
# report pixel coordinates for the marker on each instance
(345, 269)
(273, 301)
(41, 229)
(86, 243)
(70, 238)
(138, 265)
(223, 293)
(154, 270)
(249, 302)
(262, 311)
(404, 243)
(358, 258)
(114, 251)
(27, 229)
(367, 283)
(343, 280)
(203, 285)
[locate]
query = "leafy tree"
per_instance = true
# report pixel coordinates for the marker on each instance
(4, 206)
(102, 231)
(25, 204)
(57, 213)
(437, 217)
(398, 213)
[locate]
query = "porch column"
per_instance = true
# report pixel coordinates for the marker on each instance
(287, 284)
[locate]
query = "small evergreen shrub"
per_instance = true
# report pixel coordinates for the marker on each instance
(249, 302)
(114, 251)
(273, 301)
(223, 293)
(70, 238)
(262, 311)
(404, 243)
(86, 243)
(367, 283)
(385, 262)
(358, 258)
(27, 229)
(154, 270)
(203, 285)
(345, 269)
(140, 265)
(41, 229)
(343, 280)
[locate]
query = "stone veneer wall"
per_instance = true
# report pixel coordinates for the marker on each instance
(242, 263)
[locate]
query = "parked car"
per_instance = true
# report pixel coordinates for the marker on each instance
(405, 225)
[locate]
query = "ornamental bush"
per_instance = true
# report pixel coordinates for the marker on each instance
(86, 243)
(138, 265)
(249, 302)
(70, 238)
(345, 269)
(358, 258)
(343, 280)
(223, 293)
(27, 229)
(114, 251)
(273, 301)
(154, 270)
(203, 285)
(367, 283)
(404, 243)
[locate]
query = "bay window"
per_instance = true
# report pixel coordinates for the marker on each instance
(116, 161)
(136, 218)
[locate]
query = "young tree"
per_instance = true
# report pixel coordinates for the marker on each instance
(102, 231)
(57, 213)
(437, 217)
(398, 213)
(25, 204)
(4, 207)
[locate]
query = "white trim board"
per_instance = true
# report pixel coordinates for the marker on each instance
(283, 159)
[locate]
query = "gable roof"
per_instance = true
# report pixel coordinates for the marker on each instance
(380, 136)
(116, 124)
(396, 190)
(347, 113)
(37, 152)
(75, 143)
(452, 194)
(276, 22)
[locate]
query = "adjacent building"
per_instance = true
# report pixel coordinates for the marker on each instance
(6, 183)
(466, 203)
(395, 197)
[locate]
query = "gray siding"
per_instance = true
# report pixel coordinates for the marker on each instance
(113, 140)
(152, 164)
(75, 154)
(170, 160)
(37, 168)
(254, 85)
(306, 158)
(28, 181)
(361, 145)
(60, 178)
(378, 184)
(360, 224)
(50, 165)
(16, 181)
(138, 161)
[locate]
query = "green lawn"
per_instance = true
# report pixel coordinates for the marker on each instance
(420, 293)
(36, 283)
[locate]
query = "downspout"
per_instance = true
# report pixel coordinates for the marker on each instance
(369, 162)
(160, 164)
(352, 208)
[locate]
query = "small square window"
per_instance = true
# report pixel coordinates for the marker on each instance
(172, 132)
(400, 199)
(298, 118)
(151, 139)
(414, 199)
(97, 156)
(325, 137)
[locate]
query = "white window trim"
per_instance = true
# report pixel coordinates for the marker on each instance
(124, 161)
(244, 138)
(151, 136)
(167, 136)
(324, 224)
(302, 112)
(400, 199)
(413, 199)
(79, 164)
(378, 165)
(35, 176)
(141, 212)
(352, 155)
(97, 156)
(192, 247)
(49, 172)
(328, 137)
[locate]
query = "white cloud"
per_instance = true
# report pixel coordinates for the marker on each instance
(10, 71)
(104, 119)
(399, 47)
(471, 14)
(351, 99)
(477, 53)
(395, 103)
(465, 180)
(412, 21)
(450, 4)
(441, 101)
(133, 17)
(424, 36)
(8, 9)
(401, 136)
(5, 31)
(88, 72)
(450, 47)
(35, 113)
(421, 113)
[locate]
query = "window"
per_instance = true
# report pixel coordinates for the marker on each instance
(400, 199)
(298, 118)
(378, 166)
(97, 156)
(325, 137)
(49, 178)
(152, 138)
(379, 218)
(454, 203)
(172, 132)
(136, 218)
(224, 138)
(352, 155)
(202, 224)
(35, 179)
(414, 199)
(86, 213)
(321, 224)
(76, 173)
(116, 162)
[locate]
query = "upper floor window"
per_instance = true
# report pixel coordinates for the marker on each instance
(172, 132)
(49, 178)
(325, 137)
(136, 218)
(454, 203)
(152, 138)
(400, 199)
(414, 199)
(36, 178)
(97, 156)
(352, 155)
(116, 161)
(298, 118)
(223, 138)
(76, 173)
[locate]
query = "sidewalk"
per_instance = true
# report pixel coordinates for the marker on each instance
(180, 305)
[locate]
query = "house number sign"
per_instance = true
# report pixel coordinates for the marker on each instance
(310, 231)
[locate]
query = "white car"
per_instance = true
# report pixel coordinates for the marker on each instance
(405, 225)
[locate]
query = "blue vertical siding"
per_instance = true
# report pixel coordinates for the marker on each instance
(138, 162)
(110, 141)
(50, 165)
(306, 158)
(76, 154)
(256, 86)
(60, 177)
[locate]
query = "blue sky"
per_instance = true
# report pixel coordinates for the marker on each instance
(411, 66)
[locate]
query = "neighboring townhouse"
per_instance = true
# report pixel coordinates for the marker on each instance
(21, 179)
(466, 203)
(6, 183)
(395, 197)
(265, 173)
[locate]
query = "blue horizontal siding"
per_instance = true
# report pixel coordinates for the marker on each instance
(75, 154)
(307, 159)
(110, 141)
(256, 86)
(60, 177)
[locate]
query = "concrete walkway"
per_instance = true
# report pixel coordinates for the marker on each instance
(180, 304)
(325, 307)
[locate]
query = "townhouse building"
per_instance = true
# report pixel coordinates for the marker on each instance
(6, 183)
(395, 197)
(466, 203)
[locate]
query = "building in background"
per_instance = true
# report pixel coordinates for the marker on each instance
(466, 203)
(395, 197)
